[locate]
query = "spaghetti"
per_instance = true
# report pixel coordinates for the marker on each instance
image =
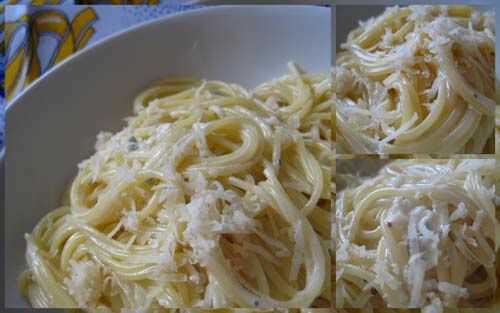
(420, 234)
(418, 79)
(211, 196)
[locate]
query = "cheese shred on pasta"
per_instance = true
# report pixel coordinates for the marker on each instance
(418, 79)
(420, 234)
(211, 196)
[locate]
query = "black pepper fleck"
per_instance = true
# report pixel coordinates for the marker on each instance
(132, 139)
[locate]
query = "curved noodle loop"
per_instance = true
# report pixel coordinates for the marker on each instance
(418, 79)
(211, 196)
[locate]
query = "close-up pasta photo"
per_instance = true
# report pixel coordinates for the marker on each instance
(417, 233)
(416, 79)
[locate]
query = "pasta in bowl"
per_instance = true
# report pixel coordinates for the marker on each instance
(211, 196)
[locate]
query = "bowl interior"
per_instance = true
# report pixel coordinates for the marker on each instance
(52, 126)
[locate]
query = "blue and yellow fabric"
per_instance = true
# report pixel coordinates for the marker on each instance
(35, 35)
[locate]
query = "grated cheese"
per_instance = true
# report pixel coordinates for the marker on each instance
(459, 213)
(84, 283)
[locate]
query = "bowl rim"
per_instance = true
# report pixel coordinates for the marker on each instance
(119, 35)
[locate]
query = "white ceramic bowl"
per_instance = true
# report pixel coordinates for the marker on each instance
(52, 126)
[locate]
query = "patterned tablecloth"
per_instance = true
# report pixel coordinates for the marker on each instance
(36, 37)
